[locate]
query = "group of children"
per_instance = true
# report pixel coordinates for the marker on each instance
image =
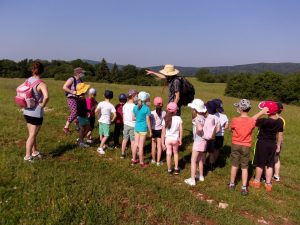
(132, 115)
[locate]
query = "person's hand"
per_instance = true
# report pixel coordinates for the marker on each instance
(41, 105)
(74, 92)
(150, 134)
(179, 142)
(164, 147)
(278, 149)
(265, 110)
(149, 72)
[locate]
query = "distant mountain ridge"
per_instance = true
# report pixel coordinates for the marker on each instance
(255, 68)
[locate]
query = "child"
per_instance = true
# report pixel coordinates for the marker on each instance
(119, 125)
(129, 123)
(223, 120)
(241, 128)
(276, 176)
(269, 140)
(157, 117)
(91, 106)
(105, 110)
(142, 125)
(199, 112)
(82, 113)
(172, 135)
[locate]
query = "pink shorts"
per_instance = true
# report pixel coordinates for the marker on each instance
(172, 146)
(200, 146)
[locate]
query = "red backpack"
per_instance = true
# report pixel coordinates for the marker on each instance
(25, 97)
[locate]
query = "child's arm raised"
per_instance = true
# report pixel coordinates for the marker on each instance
(261, 113)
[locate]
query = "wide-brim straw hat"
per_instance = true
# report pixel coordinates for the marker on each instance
(169, 70)
(82, 88)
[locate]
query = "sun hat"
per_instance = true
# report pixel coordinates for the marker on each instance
(79, 70)
(143, 96)
(219, 105)
(169, 70)
(198, 105)
(172, 107)
(132, 92)
(82, 88)
(271, 105)
(211, 107)
(158, 101)
(122, 97)
(108, 94)
(92, 91)
(243, 104)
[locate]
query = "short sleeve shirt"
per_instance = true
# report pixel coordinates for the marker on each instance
(141, 118)
(223, 119)
(173, 132)
(156, 121)
(242, 128)
(268, 128)
(198, 120)
(174, 86)
(128, 114)
(106, 109)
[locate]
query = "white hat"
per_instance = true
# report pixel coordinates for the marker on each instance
(92, 91)
(198, 105)
(169, 70)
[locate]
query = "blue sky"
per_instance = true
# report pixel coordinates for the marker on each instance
(152, 32)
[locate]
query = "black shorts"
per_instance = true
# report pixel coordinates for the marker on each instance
(34, 120)
(156, 133)
(92, 122)
(264, 153)
(210, 147)
(219, 141)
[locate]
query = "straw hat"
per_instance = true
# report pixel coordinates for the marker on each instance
(169, 70)
(82, 88)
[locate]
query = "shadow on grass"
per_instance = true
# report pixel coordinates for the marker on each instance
(61, 150)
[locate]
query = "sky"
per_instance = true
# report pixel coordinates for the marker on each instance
(152, 32)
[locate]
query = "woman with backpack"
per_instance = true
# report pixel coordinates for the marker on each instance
(34, 115)
(70, 89)
(181, 91)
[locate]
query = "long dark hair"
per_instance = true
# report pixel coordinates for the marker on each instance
(158, 110)
(168, 119)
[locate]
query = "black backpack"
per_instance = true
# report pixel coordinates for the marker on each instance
(187, 91)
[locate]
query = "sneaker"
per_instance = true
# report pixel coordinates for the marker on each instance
(159, 163)
(122, 156)
(254, 183)
(29, 159)
(36, 155)
(190, 181)
(144, 165)
(153, 161)
(83, 145)
(276, 178)
(133, 162)
(89, 141)
(100, 151)
(201, 178)
(176, 171)
(170, 172)
(268, 187)
(244, 192)
(66, 130)
(231, 186)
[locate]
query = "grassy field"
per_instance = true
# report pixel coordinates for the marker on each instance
(78, 186)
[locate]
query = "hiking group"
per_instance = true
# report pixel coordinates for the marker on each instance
(134, 119)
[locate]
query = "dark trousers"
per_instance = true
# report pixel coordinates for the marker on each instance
(118, 129)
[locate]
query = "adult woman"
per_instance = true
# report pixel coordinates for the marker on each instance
(70, 89)
(34, 116)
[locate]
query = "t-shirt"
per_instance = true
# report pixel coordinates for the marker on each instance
(173, 132)
(82, 109)
(91, 105)
(156, 121)
(128, 114)
(242, 128)
(119, 110)
(268, 128)
(174, 86)
(223, 119)
(106, 109)
(199, 119)
(141, 118)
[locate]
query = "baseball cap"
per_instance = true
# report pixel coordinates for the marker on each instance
(243, 104)
(172, 107)
(132, 92)
(143, 96)
(198, 105)
(108, 94)
(219, 104)
(92, 91)
(211, 107)
(158, 101)
(271, 105)
(122, 97)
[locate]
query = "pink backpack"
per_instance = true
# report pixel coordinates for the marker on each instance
(209, 128)
(25, 97)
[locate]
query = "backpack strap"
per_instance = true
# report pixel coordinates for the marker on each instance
(35, 83)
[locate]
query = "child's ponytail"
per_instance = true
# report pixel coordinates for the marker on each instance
(158, 110)
(168, 119)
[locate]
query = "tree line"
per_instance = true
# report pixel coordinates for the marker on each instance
(267, 85)
(62, 70)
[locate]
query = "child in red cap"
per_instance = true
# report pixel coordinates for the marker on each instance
(268, 143)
